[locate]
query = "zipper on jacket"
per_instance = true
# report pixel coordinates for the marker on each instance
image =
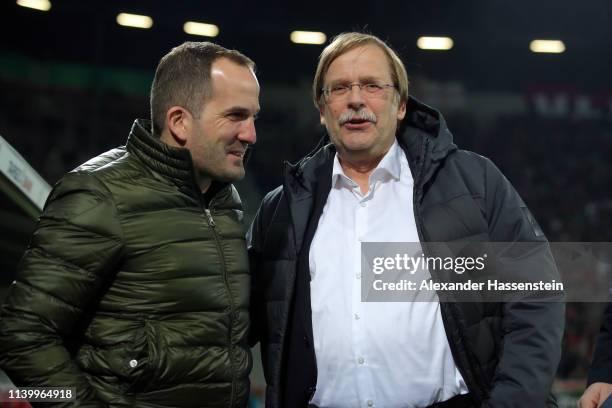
(419, 183)
(290, 178)
(212, 224)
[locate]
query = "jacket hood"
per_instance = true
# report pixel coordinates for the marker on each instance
(425, 124)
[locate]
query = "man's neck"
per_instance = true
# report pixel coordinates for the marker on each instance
(359, 171)
(167, 138)
(203, 182)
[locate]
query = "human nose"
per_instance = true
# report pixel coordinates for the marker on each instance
(247, 132)
(355, 98)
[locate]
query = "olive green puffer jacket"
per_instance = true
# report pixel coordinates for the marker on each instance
(132, 290)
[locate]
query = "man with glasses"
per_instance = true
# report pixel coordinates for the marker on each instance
(321, 345)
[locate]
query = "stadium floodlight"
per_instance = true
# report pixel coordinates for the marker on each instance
(134, 20)
(203, 29)
(435, 43)
(547, 46)
(42, 5)
(308, 37)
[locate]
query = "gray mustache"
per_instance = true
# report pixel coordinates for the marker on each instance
(353, 114)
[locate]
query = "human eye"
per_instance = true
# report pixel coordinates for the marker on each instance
(338, 89)
(237, 116)
(372, 87)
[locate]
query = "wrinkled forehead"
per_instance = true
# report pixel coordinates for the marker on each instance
(360, 63)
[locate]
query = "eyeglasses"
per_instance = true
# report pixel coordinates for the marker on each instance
(370, 90)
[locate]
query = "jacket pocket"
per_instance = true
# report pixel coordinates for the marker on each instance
(143, 359)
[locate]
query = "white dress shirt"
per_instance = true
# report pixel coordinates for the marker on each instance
(386, 354)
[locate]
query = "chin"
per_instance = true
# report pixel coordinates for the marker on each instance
(357, 145)
(358, 137)
(231, 176)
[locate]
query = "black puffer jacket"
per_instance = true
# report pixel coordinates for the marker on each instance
(507, 353)
(133, 290)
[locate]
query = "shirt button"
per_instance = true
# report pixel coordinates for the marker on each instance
(360, 360)
(358, 276)
(363, 204)
(133, 363)
(357, 316)
(370, 403)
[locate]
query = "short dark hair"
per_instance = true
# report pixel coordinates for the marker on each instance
(182, 78)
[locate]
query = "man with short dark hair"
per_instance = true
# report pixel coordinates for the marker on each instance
(134, 289)
(322, 346)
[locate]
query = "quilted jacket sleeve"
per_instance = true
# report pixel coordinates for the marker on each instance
(532, 330)
(72, 254)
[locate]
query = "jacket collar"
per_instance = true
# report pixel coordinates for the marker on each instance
(309, 178)
(172, 162)
(303, 176)
(175, 164)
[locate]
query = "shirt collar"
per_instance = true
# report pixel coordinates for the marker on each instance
(389, 165)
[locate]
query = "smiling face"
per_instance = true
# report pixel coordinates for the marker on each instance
(361, 126)
(219, 137)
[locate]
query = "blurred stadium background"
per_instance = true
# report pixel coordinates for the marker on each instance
(72, 80)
